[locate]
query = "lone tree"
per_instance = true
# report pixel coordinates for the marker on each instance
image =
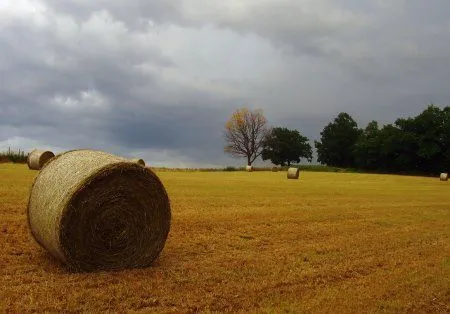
(245, 132)
(337, 142)
(284, 146)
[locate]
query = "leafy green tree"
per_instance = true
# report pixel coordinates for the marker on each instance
(337, 143)
(422, 141)
(283, 146)
(429, 129)
(397, 150)
(367, 148)
(418, 144)
(445, 140)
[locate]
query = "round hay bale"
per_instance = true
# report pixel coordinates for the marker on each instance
(293, 173)
(249, 168)
(38, 158)
(96, 211)
(275, 169)
(444, 176)
(139, 161)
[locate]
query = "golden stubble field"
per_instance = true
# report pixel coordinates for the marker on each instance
(254, 242)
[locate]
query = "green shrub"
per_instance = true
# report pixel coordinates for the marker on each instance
(11, 155)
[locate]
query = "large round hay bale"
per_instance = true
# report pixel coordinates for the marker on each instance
(249, 168)
(444, 176)
(96, 211)
(38, 158)
(139, 161)
(293, 173)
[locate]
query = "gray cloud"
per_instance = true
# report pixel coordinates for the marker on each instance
(135, 13)
(160, 78)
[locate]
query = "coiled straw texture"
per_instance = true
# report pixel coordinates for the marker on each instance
(293, 173)
(139, 161)
(38, 158)
(96, 211)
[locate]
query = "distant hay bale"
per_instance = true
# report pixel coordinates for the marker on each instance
(96, 211)
(138, 161)
(293, 173)
(38, 158)
(275, 169)
(249, 168)
(444, 176)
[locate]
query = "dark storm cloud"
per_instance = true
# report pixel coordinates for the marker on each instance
(135, 13)
(78, 93)
(161, 77)
(383, 40)
(163, 127)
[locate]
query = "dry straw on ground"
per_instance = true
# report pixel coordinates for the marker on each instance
(444, 176)
(293, 173)
(38, 158)
(139, 161)
(96, 211)
(249, 168)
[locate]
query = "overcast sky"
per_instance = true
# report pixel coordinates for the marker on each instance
(157, 79)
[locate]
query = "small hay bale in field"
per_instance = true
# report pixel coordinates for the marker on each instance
(249, 168)
(96, 211)
(275, 169)
(38, 158)
(444, 176)
(139, 161)
(293, 173)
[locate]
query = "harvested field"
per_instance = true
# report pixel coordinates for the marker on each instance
(330, 242)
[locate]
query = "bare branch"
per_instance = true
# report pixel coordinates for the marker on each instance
(245, 133)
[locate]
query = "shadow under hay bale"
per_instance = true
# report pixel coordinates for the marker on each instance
(138, 161)
(293, 173)
(38, 158)
(96, 211)
(444, 176)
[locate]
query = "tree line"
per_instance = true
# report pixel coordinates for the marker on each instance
(418, 144)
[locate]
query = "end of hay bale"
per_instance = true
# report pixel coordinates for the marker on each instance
(138, 161)
(38, 158)
(444, 176)
(293, 173)
(249, 168)
(95, 211)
